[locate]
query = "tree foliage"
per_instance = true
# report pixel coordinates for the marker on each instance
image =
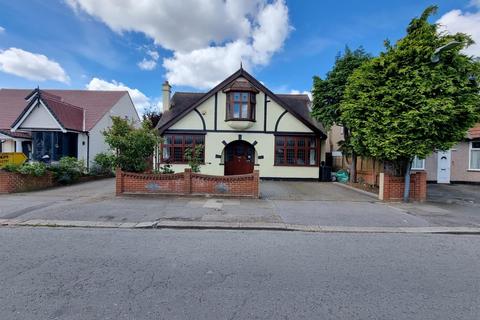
(132, 146)
(401, 104)
(152, 115)
(328, 93)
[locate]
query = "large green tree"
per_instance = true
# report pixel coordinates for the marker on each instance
(328, 94)
(419, 95)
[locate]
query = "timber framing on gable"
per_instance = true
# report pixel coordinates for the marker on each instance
(214, 92)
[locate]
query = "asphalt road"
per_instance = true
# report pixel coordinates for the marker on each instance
(48, 273)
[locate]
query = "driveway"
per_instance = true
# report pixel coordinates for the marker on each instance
(304, 203)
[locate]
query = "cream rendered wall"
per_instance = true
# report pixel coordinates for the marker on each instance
(82, 147)
(264, 147)
(123, 108)
(40, 118)
(192, 121)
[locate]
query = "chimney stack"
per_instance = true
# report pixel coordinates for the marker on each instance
(166, 91)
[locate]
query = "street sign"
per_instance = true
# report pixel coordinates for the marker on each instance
(17, 158)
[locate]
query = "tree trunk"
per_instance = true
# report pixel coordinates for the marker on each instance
(406, 190)
(353, 168)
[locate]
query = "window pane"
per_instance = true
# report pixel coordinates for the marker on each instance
(279, 141)
(244, 96)
(476, 144)
(168, 140)
(236, 110)
(236, 96)
(177, 154)
(279, 156)
(199, 140)
(313, 142)
(178, 139)
(166, 153)
(301, 157)
(418, 163)
(252, 97)
(290, 156)
(475, 159)
(188, 140)
(301, 142)
(313, 157)
(245, 110)
(290, 142)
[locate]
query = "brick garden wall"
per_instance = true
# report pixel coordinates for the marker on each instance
(391, 188)
(14, 182)
(187, 183)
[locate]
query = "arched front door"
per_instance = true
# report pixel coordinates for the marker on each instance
(239, 158)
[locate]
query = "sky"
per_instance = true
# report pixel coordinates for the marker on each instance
(194, 44)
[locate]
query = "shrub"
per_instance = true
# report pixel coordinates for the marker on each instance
(103, 164)
(132, 146)
(36, 169)
(194, 157)
(68, 170)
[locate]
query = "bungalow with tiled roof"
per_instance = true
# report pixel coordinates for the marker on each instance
(242, 126)
(63, 122)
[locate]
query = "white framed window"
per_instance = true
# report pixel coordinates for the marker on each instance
(474, 156)
(418, 164)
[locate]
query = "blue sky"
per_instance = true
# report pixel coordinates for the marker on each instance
(96, 44)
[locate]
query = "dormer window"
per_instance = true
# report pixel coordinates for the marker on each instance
(240, 106)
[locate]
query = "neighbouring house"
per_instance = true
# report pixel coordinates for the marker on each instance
(9, 111)
(461, 164)
(64, 122)
(242, 126)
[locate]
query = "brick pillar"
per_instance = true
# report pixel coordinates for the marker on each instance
(187, 176)
(118, 181)
(421, 186)
(256, 184)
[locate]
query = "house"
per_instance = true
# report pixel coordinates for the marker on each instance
(64, 122)
(460, 164)
(242, 126)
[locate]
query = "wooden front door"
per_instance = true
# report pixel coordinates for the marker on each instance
(239, 158)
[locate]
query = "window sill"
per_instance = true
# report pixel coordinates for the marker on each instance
(473, 170)
(417, 169)
(240, 124)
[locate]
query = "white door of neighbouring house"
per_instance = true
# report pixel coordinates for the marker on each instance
(443, 166)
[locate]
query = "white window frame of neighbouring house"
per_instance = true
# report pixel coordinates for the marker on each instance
(474, 148)
(418, 164)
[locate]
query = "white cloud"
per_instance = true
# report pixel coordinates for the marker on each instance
(140, 100)
(467, 22)
(151, 63)
(32, 66)
(2, 29)
(308, 93)
(208, 40)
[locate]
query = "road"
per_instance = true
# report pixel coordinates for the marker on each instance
(54, 273)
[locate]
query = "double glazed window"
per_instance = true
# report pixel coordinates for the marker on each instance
(296, 151)
(174, 146)
(418, 164)
(241, 106)
(475, 155)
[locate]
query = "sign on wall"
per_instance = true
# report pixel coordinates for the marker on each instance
(17, 158)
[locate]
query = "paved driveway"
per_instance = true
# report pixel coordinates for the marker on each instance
(306, 203)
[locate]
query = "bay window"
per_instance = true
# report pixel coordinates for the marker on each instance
(240, 106)
(174, 146)
(296, 151)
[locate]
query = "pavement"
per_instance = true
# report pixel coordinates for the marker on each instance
(87, 274)
(284, 205)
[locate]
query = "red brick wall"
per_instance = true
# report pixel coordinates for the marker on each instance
(393, 187)
(187, 183)
(368, 177)
(14, 182)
